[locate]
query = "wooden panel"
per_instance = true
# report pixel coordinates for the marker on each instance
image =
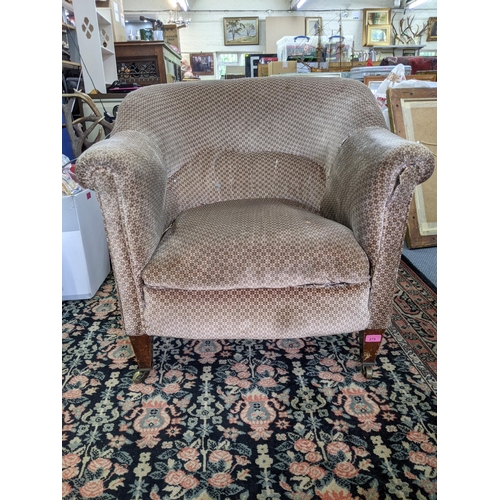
(278, 27)
(380, 78)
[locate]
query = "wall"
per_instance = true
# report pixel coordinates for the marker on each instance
(205, 33)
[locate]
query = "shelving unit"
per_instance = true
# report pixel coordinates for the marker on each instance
(85, 255)
(95, 36)
(399, 50)
(69, 37)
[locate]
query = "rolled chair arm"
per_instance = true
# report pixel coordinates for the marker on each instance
(370, 185)
(129, 177)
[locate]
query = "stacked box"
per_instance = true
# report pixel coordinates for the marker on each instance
(281, 67)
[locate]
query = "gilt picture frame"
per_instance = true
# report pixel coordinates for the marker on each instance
(378, 35)
(241, 31)
(432, 31)
(376, 17)
(379, 17)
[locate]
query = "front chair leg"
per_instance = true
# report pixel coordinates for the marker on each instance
(143, 350)
(370, 341)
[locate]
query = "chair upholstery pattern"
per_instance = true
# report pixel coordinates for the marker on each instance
(260, 207)
(254, 244)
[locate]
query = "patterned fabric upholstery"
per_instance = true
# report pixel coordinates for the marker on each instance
(259, 243)
(264, 207)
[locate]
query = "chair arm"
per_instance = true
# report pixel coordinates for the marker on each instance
(129, 177)
(370, 185)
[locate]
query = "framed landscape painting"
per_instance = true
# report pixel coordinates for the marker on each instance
(241, 30)
(378, 35)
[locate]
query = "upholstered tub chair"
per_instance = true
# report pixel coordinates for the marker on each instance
(254, 208)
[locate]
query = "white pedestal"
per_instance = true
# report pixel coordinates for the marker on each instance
(85, 256)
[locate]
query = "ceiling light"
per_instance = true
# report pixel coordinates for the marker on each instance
(183, 4)
(416, 3)
(301, 3)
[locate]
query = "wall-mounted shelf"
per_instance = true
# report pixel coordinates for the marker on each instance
(398, 50)
(71, 65)
(69, 38)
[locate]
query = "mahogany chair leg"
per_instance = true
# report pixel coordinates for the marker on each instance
(370, 341)
(143, 350)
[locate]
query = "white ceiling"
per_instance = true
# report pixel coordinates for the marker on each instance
(316, 4)
(134, 8)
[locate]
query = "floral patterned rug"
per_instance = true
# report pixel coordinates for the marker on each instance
(217, 420)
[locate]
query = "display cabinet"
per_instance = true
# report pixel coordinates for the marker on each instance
(147, 62)
(96, 44)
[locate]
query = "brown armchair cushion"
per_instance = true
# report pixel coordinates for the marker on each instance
(253, 244)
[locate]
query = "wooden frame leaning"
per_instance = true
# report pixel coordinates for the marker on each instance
(413, 115)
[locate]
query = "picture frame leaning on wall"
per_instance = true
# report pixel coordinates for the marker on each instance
(413, 116)
(379, 18)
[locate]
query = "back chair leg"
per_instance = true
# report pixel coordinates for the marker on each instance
(143, 350)
(370, 341)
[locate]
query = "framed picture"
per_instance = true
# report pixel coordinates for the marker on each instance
(374, 81)
(413, 115)
(375, 17)
(241, 30)
(202, 63)
(378, 35)
(314, 26)
(373, 85)
(432, 31)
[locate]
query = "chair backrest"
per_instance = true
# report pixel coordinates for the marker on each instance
(220, 136)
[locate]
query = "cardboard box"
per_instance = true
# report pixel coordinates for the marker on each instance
(262, 70)
(85, 255)
(281, 67)
(171, 36)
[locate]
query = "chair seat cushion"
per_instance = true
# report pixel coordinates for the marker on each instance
(256, 243)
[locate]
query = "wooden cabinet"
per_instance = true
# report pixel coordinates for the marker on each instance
(147, 63)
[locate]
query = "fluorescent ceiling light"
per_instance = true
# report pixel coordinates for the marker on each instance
(183, 4)
(300, 3)
(416, 3)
